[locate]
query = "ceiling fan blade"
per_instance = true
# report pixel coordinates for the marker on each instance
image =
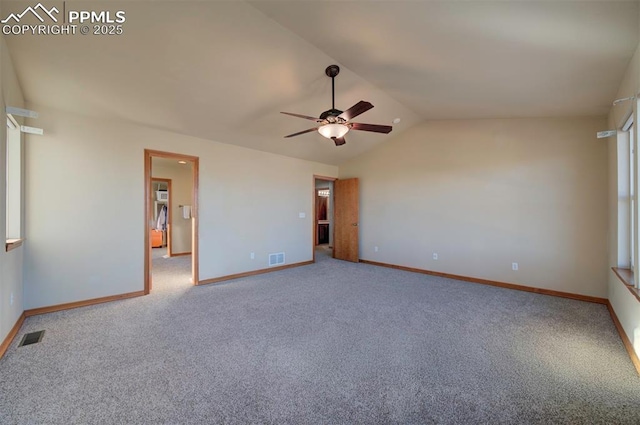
(339, 141)
(371, 127)
(302, 132)
(357, 109)
(306, 117)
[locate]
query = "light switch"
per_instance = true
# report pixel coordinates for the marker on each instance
(302, 215)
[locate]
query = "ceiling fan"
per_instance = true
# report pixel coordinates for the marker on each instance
(334, 123)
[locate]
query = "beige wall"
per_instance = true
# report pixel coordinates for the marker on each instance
(181, 189)
(10, 262)
(486, 193)
(625, 304)
(249, 202)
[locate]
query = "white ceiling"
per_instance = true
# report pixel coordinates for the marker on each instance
(462, 59)
(223, 70)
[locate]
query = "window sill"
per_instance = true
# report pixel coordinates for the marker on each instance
(13, 244)
(626, 276)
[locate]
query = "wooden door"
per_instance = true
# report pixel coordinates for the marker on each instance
(346, 227)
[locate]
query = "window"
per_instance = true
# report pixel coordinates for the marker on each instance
(13, 184)
(628, 223)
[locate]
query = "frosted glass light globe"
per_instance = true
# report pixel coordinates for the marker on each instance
(333, 130)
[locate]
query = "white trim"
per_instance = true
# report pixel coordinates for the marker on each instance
(11, 122)
(628, 123)
(31, 130)
(21, 112)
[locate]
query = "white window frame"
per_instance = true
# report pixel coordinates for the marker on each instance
(633, 222)
(14, 182)
(630, 128)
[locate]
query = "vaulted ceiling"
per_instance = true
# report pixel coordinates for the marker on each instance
(224, 70)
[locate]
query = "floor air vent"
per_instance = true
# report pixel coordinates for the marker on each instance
(31, 338)
(276, 259)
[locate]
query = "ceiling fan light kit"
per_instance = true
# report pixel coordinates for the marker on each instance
(333, 130)
(334, 123)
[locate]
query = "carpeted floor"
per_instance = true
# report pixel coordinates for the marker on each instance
(170, 274)
(158, 253)
(332, 342)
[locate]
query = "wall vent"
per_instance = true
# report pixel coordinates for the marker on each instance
(276, 259)
(31, 338)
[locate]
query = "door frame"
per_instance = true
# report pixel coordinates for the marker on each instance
(148, 216)
(314, 232)
(169, 204)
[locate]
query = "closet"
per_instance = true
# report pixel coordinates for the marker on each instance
(160, 197)
(322, 215)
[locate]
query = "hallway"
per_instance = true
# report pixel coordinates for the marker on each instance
(171, 273)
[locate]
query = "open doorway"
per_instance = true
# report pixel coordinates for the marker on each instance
(171, 221)
(323, 226)
(161, 192)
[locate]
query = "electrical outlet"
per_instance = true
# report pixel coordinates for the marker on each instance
(375, 248)
(435, 255)
(11, 300)
(514, 266)
(253, 255)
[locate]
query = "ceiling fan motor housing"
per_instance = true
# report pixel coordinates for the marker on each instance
(330, 113)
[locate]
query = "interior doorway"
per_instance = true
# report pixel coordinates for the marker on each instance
(161, 193)
(171, 220)
(323, 225)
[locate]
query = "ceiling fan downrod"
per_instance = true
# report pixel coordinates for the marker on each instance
(332, 71)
